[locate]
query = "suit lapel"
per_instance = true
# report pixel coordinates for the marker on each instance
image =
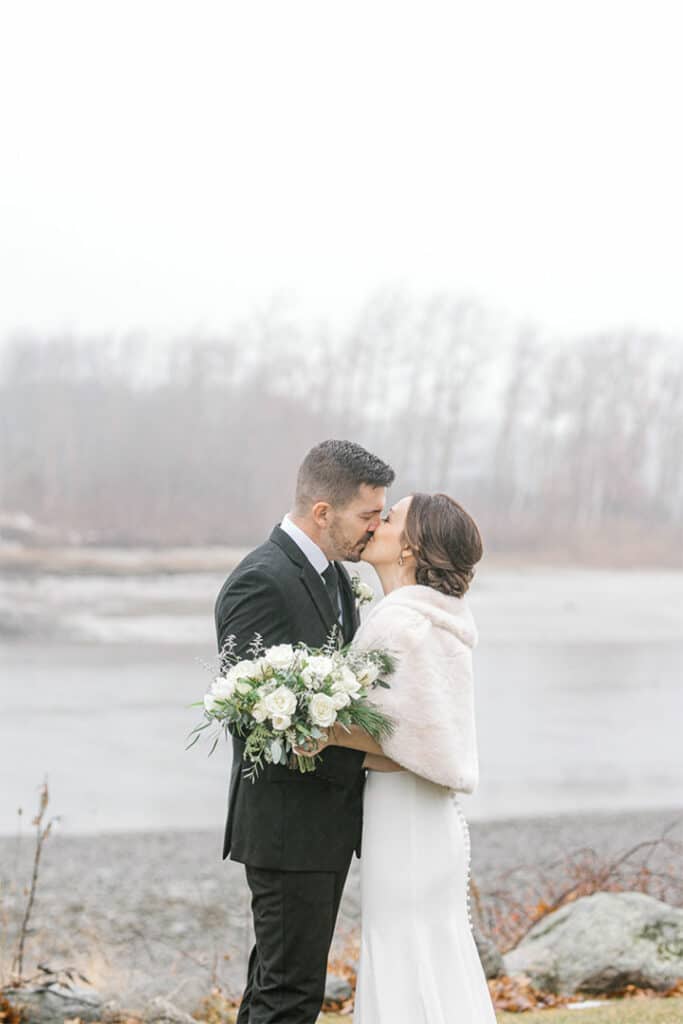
(312, 581)
(321, 599)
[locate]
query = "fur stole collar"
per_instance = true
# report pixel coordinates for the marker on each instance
(431, 693)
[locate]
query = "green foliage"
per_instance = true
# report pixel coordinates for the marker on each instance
(240, 700)
(374, 722)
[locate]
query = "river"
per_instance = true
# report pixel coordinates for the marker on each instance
(578, 695)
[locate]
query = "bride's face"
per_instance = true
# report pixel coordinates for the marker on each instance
(385, 546)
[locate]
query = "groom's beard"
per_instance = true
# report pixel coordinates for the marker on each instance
(353, 556)
(349, 551)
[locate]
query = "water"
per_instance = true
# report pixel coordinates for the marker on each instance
(578, 689)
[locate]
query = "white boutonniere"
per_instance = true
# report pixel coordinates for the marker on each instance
(361, 591)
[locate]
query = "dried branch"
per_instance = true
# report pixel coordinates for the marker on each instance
(511, 908)
(41, 835)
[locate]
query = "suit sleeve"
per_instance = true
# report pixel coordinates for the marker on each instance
(252, 603)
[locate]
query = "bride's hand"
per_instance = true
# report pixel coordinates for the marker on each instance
(313, 747)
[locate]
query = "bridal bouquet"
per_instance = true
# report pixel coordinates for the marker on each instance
(287, 696)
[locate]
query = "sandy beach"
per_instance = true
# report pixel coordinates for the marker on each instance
(149, 913)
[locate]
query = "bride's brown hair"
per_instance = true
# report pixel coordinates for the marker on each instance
(445, 541)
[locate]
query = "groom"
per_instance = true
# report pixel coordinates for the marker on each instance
(296, 833)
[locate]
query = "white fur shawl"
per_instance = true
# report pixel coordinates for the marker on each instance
(431, 695)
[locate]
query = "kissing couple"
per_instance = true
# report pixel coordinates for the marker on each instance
(394, 805)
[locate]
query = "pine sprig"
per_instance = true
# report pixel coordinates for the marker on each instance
(373, 721)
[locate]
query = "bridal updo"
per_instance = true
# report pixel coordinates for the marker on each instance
(445, 542)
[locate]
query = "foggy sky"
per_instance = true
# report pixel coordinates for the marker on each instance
(170, 165)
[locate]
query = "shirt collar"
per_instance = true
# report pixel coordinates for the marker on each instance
(315, 555)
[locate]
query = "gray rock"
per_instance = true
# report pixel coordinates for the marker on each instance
(112, 1012)
(161, 1011)
(489, 954)
(337, 989)
(601, 943)
(51, 1004)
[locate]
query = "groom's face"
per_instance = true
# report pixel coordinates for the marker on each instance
(351, 527)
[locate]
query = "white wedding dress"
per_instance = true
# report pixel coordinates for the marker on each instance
(418, 961)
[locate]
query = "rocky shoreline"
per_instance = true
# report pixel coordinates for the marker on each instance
(146, 914)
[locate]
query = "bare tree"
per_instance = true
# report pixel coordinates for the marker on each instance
(553, 443)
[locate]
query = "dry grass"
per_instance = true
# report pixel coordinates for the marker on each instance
(625, 1011)
(631, 1011)
(523, 896)
(628, 1011)
(634, 1009)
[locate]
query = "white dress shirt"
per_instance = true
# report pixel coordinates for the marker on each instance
(315, 555)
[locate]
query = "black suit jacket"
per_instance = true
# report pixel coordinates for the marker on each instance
(284, 819)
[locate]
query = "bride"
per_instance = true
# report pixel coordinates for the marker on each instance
(418, 961)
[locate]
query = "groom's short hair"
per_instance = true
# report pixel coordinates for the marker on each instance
(334, 470)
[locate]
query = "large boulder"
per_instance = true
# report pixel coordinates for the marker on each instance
(601, 943)
(52, 1003)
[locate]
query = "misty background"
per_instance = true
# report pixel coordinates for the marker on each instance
(559, 448)
(448, 232)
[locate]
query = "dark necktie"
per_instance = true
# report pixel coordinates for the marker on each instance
(331, 577)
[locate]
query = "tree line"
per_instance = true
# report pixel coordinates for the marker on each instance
(557, 446)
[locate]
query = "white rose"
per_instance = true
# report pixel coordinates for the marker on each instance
(280, 702)
(259, 711)
(345, 682)
(261, 668)
(317, 667)
(322, 710)
(311, 680)
(244, 670)
(223, 687)
(340, 699)
(280, 656)
(364, 592)
(209, 702)
(368, 674)
(281, 722)
(242, 686)
(320, 664)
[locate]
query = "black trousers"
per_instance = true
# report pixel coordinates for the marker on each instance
(294, 916)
